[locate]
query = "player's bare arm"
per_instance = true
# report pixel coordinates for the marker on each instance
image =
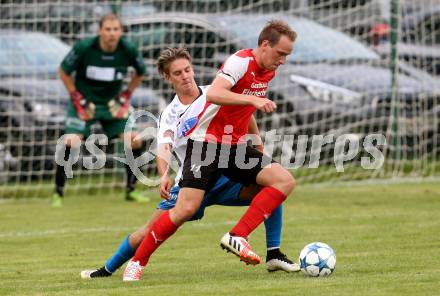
(134, 82)
(67, 80)
(220, 94)
(162, 160)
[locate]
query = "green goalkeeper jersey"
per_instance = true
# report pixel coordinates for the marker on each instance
(99, 74)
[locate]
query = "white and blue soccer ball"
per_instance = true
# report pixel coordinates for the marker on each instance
(317, 259)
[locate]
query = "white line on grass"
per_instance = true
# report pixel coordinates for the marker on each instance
(51, 232)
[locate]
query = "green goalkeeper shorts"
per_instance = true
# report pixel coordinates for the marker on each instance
(111, 127)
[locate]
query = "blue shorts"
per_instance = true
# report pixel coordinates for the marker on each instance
(225, 192)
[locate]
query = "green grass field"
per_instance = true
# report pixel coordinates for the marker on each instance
(385, 238)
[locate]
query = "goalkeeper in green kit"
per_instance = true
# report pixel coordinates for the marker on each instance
(99, 65)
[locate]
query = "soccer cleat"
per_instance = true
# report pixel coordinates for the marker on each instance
(137, 196)
(96, 273)
(276, 260)
(240, 247)
(133, 271)
(57, 200)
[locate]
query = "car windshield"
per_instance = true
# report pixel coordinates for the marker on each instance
(30, 53)
(315, 42)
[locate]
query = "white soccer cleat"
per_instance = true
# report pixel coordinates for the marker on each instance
(276, 260)
(133, 271)
(240, 247)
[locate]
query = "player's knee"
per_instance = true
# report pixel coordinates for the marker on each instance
(186, 211)
(285, 182)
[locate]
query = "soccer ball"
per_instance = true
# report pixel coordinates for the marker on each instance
(317, 259)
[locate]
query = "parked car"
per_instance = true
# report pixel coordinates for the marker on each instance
(420, 41)
(330, 82)
(370, 22)
(30, 96)
(420, 22)
(68, 20)
(421, 56)
(33, 100)
(216, 6)
(7, 162)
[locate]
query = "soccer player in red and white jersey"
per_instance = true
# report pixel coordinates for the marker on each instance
(219, 137)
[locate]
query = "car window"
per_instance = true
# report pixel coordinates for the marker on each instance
(203, 44)
(319, 43)
(314, 43)
(22, 54)
(148, 38)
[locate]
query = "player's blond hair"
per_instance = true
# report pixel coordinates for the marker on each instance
(169, 55)
(273, 30)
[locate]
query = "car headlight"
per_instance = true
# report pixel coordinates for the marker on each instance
(325, 92)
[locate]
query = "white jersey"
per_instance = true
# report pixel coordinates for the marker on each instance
(175, 121)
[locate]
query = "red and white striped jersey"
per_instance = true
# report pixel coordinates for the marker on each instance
(246, 77)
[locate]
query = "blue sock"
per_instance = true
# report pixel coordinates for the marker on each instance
(273, 226)
(122, 255)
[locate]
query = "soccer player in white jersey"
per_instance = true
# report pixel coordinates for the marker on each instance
(217, 146)
(175, 121)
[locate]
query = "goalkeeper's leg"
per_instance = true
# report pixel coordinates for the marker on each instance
(134, 144)
(71, 140)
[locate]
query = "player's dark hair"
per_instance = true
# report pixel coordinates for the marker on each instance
(273, 30)
(169, 55)
(109, 17)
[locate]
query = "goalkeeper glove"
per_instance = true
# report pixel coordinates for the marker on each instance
(86, 110)
(120, 106)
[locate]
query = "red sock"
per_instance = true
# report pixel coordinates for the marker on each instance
(261, 207)
(162, 229)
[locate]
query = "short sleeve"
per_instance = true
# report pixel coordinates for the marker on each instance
(167, 127)
(71, 60)
(234, 68)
